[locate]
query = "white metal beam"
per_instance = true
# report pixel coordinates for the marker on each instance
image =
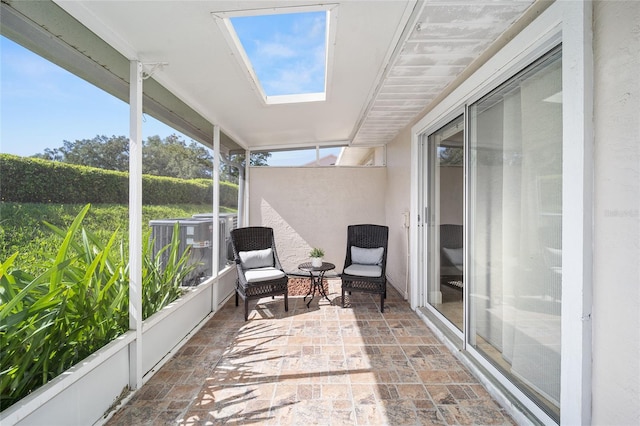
(216, 214)
(135, 222)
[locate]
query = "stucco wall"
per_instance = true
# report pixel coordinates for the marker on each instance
(398, 202)
(312, 207)
(616, 292)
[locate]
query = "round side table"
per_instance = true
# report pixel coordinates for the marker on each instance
(316, 275)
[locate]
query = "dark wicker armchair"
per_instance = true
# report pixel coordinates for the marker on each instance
(451, 254)
(366, 261)
(259, 271)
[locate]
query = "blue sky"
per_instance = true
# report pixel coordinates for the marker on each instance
(287, 51)
(42, 105)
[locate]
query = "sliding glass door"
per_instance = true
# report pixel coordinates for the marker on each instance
(444, 216)
(515, 229)
(506, 302)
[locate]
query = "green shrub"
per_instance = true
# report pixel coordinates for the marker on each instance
(229, 195)
(53, 320)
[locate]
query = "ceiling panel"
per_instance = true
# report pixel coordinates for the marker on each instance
(445, 38)
(391, 59)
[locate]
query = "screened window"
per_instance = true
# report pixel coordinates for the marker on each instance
(321, 157)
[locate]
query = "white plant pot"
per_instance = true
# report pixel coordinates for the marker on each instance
(316, 262)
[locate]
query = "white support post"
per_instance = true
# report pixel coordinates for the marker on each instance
(241, 191)
(415, 227)
(577, 205)
(247, 177)
(216, 216)
(135, 222)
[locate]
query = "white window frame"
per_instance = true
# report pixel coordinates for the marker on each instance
(568, 23)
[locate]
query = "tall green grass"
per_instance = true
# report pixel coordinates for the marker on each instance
(161, 283)
(53, 319)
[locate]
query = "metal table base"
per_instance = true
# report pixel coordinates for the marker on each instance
(316, 276)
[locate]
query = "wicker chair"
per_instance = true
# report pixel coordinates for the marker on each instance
(259, 271)
(365, 264)
(451, 263)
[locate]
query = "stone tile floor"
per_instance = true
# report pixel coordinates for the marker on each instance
(320, 365)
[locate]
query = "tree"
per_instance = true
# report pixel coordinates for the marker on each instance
(451, 156)
(173, 157)
(170, 156)
(229, 169)
(102, 152)
(259, 158)
(161, 157)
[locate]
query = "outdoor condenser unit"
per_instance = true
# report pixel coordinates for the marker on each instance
(196, 233)
(226, 222)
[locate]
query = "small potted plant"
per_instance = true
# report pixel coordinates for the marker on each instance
(316, 255)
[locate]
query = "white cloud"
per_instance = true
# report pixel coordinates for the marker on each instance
(274, 50)
(292, 59)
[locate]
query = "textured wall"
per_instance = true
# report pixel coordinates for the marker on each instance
(616, 287)
(312, 207)
(398, 202)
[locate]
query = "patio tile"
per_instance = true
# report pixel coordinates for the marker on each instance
(430, 417)
(322, 365)
(134, 415)
(434, 376)
(412, 391)
(371, 414)
(184, 392)
(440, 395)
(166, 417)
(400, 412)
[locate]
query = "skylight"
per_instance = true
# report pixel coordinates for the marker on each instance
(286, 51)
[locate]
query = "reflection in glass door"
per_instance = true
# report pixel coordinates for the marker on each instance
(515, 239)
(444, 218)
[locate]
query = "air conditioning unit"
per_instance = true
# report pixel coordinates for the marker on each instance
(226, 222)
(196, 233)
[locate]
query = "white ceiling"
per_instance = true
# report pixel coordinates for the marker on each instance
(391, 59)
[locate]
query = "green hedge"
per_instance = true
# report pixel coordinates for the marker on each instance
(31, 180)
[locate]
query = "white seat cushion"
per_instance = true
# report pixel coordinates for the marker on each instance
(357, 269)
(262, 274)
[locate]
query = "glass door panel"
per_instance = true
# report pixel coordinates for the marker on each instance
(444, 220)
(515, 238)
